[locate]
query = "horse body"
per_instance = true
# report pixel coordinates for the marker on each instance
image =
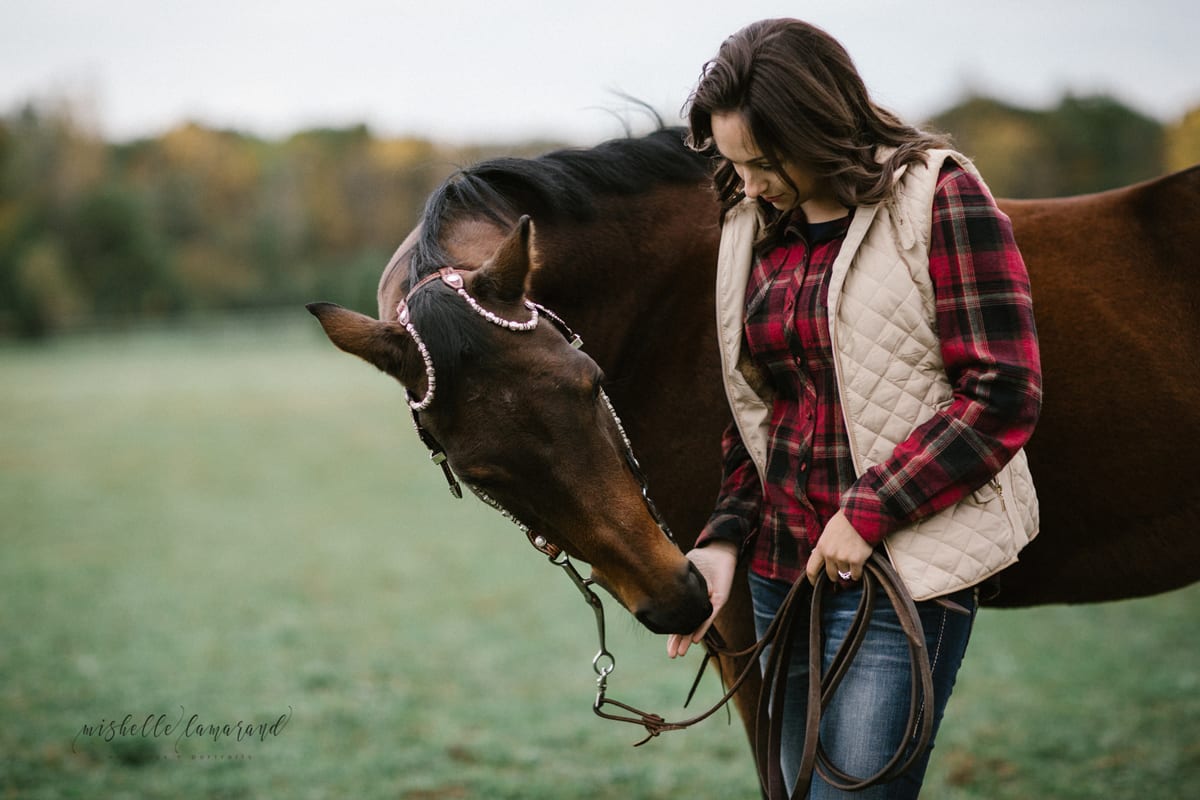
(1116, 295)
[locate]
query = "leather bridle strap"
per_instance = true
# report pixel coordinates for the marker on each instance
(437, 454)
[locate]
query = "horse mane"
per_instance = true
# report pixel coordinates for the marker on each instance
(562, 185)
(559, 185)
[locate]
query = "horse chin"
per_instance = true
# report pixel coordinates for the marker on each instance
(681, 621)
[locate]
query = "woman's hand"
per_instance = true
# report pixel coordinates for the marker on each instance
(717, 562)
(839, 549)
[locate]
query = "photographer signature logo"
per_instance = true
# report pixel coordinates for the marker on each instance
(180, 728)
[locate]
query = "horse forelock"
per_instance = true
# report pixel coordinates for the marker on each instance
(452, 332)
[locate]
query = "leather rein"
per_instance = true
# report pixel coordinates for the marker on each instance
(878, 575)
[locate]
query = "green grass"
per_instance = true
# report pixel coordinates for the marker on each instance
(238, 520)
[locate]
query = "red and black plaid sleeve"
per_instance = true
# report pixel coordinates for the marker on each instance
(734, 519)
(989, 346)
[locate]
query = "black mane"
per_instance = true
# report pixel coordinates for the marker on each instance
(560, 185)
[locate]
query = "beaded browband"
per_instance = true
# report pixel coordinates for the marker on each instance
(452, 278)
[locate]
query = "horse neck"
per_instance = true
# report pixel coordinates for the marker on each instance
(637, 279)
(637, 284)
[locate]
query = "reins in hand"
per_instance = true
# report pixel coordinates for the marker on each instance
(878, 575)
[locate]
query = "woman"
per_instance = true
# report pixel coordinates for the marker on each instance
(880, 359)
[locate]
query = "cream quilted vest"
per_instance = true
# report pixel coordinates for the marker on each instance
(891, 377)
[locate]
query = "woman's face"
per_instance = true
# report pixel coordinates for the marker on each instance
(759, 179)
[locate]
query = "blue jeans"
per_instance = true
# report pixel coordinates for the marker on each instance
(865, 721)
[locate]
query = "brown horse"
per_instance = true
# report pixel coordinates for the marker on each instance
(623, 248)
(520, 413)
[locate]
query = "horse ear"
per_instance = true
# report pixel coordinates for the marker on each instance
(503, 275)
(385, 344)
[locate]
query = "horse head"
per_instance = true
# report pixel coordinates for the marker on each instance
(523, 420)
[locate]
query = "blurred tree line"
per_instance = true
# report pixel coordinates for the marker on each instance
(203, 219)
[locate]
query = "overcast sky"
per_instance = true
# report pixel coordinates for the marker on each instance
(468, 70)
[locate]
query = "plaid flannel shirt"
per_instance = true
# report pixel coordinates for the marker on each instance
(989, 345)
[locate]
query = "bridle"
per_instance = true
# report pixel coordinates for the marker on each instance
(454, 279)
(878, 574)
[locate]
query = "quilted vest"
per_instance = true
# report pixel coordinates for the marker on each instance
(890, 376)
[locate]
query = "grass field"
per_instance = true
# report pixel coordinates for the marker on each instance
(236, 523)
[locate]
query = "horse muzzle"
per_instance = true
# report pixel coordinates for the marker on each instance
(686, 612)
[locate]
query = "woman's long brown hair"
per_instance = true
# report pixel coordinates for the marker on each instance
(803, 102)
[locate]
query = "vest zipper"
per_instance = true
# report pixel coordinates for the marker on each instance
(995, 484)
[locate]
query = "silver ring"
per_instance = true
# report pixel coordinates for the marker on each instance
(844, 575)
